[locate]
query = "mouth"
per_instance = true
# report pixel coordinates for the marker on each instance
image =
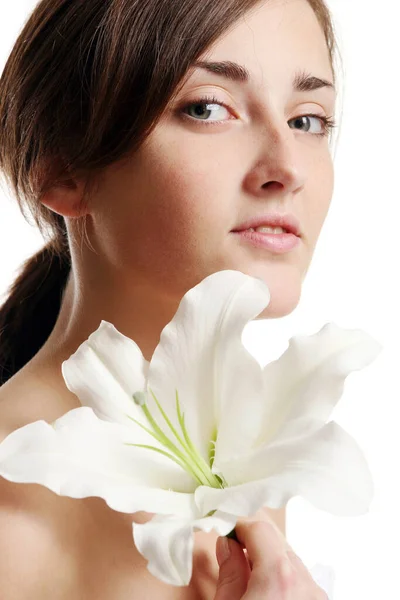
(267, 229)
(271, 224)
(275, 239)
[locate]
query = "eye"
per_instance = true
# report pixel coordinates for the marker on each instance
(328, 123)
(207, 105)
(204, 107)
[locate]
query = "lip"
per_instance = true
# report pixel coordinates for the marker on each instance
(278, 243)
(286, 221)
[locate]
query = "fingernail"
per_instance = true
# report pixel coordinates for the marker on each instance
(223, 551)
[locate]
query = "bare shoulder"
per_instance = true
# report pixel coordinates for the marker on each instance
(29, 396)
(34, 559)
(54, 547)
(33, 562)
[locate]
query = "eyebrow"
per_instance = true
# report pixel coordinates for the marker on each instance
(302, 82)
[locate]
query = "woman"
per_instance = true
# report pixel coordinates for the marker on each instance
(144, 135)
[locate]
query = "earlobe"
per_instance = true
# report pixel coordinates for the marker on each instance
(66, 199)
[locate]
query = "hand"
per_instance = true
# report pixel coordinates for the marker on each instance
(268, 569)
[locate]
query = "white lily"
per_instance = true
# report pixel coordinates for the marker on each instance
(201, 435)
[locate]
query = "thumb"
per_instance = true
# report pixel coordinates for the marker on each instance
(234, 570)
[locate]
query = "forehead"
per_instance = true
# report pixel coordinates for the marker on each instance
(277, 37)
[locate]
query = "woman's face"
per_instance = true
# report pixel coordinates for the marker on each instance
(166, 216)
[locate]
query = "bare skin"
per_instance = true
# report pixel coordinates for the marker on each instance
(174, 205)
(62, 548)
(90, 547)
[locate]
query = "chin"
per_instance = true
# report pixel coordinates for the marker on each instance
(285, 288)
(279, 307)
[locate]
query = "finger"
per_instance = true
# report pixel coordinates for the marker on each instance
(267, 552)
(234, 570)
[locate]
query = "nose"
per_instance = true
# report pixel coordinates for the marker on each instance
(280, 166)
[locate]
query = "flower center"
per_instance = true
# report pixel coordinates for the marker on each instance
(181, 449)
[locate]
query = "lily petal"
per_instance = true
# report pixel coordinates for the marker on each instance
(327, 468)
(202, 356)
(306, 382)
(167, 543)
(105, 372)
(80, 455)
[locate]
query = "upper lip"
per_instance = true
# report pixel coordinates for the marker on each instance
(286, 221)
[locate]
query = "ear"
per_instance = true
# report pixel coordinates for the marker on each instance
(66, 198)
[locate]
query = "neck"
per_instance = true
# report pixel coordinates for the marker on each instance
(136, 309)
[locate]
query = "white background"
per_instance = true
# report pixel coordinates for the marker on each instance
(353, 281)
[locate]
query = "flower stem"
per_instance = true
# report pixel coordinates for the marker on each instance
(232, 535)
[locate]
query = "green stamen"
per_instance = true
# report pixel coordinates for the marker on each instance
(162, 439)
(205, 467)
(188, 459)
(211, 449)
(167, 454)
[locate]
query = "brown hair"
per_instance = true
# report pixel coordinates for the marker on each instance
(85, 84)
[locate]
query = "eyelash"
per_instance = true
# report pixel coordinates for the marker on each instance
(328, 123)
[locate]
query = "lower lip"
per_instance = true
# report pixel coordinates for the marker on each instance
(275, 242)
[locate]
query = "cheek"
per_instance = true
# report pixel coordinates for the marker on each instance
(186, 193)
(172, 213)
(319, 200)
